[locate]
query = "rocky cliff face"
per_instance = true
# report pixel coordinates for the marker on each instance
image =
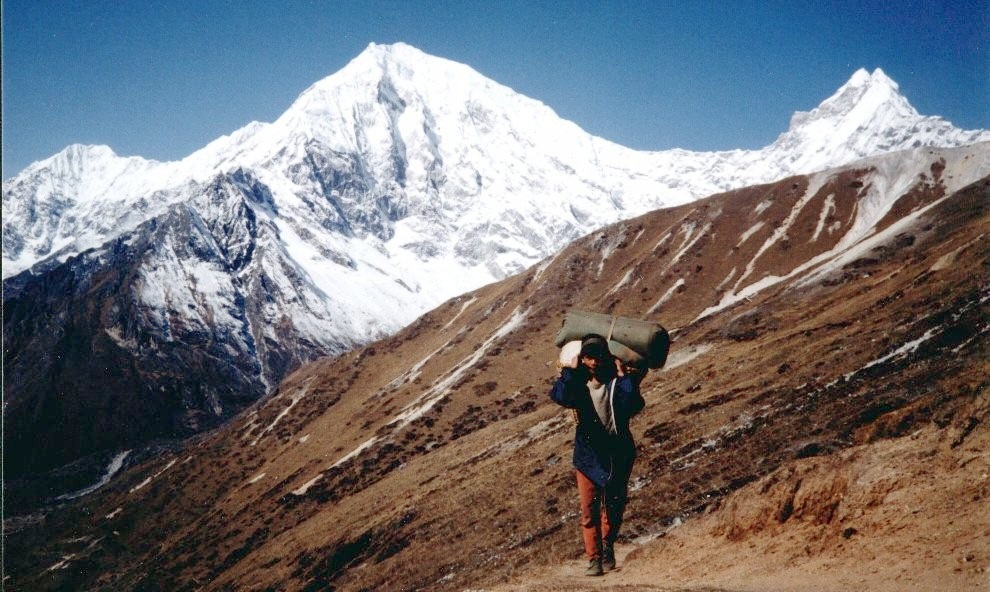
(384, 190)
(164, 332)
(815, 321)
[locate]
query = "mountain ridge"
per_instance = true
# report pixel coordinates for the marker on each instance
(310, 112)
(378, 201)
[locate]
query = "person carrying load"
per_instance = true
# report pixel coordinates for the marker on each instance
(600, 380)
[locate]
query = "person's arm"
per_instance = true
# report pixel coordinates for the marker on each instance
(569, 390)
(627, 399)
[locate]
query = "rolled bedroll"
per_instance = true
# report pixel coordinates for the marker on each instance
(631, 340)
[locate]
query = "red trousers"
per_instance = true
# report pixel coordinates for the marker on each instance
(601, 513)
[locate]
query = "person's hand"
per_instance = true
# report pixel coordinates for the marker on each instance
(635, 371)
(620, 367)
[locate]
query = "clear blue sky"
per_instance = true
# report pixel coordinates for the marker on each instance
(160, 79)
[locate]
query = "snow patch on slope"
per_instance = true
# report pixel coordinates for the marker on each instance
(112, 469)
(892, 177)
(441, 387)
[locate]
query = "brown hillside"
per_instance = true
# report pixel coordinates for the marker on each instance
(833, 422)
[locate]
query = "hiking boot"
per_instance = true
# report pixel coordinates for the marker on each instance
(594, 568)
(608, 557)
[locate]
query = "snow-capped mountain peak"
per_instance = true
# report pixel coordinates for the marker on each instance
(866, 116)
(862, 98)
(408, 168)
(433, 160)
(84, 168)
(385, 189)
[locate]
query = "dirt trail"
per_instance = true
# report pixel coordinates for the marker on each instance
(569, 577)
(903, 514)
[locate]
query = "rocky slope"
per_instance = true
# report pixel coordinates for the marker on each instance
(157, 299)
(829, 334)
(165, 331)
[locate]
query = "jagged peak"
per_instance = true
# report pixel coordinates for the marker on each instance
(861, 85)
(83, 154)
(862, 95)
(861, 78)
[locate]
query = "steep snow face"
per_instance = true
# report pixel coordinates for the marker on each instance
(866, 116)
(404, 179)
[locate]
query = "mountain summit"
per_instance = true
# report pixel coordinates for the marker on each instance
(866, 116)
(859, 101)
(386, 188)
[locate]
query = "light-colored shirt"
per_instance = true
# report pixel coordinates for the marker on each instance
(601, 396)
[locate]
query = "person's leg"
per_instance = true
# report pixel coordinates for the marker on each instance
(607, 518)
(591, 511)
(615, 508)
(616, 494)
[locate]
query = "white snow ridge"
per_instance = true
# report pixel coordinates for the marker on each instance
(385, 189)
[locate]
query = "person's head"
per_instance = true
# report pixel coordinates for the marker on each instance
(594, 354)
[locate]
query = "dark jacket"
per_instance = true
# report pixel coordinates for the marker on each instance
(600, 455)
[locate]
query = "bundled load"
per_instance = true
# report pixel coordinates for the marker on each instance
(631, 340)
